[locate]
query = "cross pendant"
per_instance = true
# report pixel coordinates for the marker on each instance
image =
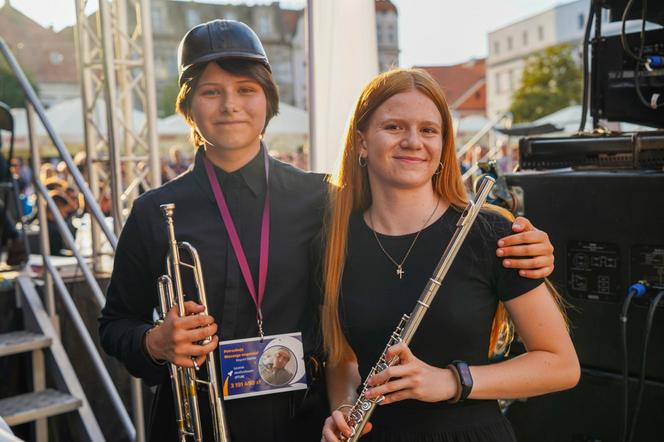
(400, 272)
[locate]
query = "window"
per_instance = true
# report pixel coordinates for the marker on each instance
(510, 76)
(509, 43)
(193, 18)
(263, 25)
(582, 21)
(157, 18)
(540, 32)
(496, 47)
(498, 88)
(524, 38)
(56, 58)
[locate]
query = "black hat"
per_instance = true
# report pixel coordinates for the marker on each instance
(219, 39)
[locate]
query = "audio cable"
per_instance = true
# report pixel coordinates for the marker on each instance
(636, 290)
(642, 377)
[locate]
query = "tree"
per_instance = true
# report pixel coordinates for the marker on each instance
(551, 81)
(167, 98)
(10, 90)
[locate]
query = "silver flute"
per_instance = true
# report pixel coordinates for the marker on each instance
(184, 381)
(361, 411)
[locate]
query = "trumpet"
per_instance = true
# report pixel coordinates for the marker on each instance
(361, 411)
(184, 381)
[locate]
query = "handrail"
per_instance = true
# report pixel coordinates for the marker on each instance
(32, 98)
(51, 274)
(485, 129)
(89, 345)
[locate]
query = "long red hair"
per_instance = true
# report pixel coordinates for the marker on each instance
(350, 191)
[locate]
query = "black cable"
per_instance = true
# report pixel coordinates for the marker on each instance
(642, 378)
(637, 69)
(623, 38)
(586, 69)
(623, 333)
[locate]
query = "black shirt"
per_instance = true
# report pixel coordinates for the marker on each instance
(456, 326)
(292, 295)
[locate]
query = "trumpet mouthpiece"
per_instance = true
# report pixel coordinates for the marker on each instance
(167, 209)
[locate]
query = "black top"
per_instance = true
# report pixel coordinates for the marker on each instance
(292, 294)
(457, 325)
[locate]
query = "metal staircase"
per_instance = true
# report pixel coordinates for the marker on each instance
(42, 341)
(35, 297)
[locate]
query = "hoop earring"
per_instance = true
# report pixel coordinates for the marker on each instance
(359, 160)
(439, 169)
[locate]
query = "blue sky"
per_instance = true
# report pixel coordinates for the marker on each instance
(431, 32)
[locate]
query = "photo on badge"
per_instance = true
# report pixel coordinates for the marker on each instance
(256, 366)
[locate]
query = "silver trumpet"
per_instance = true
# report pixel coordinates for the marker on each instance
(185, 382)
(361, 411)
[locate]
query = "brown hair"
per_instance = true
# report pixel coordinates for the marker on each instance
(251, 69)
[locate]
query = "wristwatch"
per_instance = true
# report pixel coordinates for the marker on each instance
(464, 381)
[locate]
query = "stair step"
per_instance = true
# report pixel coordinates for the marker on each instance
(29, 407)
(22, 341)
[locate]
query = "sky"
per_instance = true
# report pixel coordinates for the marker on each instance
(431, 32)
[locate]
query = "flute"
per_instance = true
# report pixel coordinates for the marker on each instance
(361, 411)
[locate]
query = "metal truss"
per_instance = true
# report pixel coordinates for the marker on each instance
(116, 67)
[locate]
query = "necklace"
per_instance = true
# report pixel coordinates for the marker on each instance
(400, 271)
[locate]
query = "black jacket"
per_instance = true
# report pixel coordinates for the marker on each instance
(292, 296)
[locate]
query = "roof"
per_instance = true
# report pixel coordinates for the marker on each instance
(464, 84)
(48, 56)
(290, 18)
(385, 6)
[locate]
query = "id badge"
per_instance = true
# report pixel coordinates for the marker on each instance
(255, 366)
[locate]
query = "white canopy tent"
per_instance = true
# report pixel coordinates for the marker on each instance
(67, 119)
(285, 132)
(289, 129)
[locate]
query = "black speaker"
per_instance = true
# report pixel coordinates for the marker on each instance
(607, 228)
(591, 412)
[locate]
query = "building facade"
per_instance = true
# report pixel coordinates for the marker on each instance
(510, 47)
(46, 56)
(387, 35)
(282, 32)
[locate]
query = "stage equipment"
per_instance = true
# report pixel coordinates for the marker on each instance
(627, 79)
(643, 150)
(617, 8)
(628, 84)
(361, 411)
(185, 382)
(607, 232)
(589, 412)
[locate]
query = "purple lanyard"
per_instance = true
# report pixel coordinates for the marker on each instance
(235, 239)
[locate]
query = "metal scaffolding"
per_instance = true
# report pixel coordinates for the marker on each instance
(116, 67)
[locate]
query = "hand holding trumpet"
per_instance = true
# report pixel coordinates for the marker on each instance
(176, 339)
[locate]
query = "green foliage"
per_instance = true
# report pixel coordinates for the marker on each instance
(10, 90)
(551, 81)
(166, 98)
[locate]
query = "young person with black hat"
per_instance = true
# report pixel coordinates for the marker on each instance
(255, 223)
